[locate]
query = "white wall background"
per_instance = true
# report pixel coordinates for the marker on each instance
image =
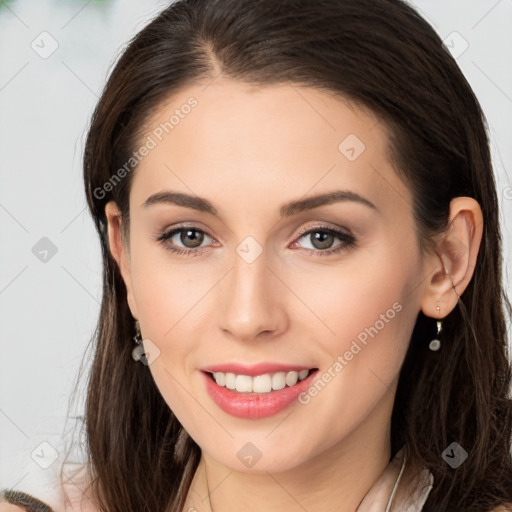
(48, 310)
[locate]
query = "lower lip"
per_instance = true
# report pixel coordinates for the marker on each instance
(255, 406)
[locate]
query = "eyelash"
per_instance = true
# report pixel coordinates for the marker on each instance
(348, 240)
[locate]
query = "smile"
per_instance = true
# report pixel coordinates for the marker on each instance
(265, 383)
(244, 400)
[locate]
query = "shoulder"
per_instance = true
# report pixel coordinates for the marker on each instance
(501, 508)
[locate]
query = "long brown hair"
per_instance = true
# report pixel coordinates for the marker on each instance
(384, 56)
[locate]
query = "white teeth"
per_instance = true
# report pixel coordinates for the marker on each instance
(260, 383)
(221, 378)
(278, 380)
(303, 374)
(243, 384)
(230, 380)
(291, 378)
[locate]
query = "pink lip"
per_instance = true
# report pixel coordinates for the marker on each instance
(255, 406)
(255, 369)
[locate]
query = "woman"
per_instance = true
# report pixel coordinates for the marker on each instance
(302, 304)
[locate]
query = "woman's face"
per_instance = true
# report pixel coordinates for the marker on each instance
(333, 285)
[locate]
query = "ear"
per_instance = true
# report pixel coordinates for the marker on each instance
(120, 252)
(452, 267)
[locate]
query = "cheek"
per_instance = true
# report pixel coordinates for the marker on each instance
(369, 310)
(175, 306)
(168, 301)
(364, 362)
(167, 289)
(372, 297)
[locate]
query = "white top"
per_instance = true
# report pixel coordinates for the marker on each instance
(411, 499)
(376, 500)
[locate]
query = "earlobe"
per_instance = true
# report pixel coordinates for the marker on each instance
(455, 259)
(118, 250)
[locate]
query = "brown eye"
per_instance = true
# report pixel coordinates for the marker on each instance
(191, 238)
(188, 242)
(322, 239)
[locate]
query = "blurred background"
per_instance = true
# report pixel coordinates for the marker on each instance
(55, 56)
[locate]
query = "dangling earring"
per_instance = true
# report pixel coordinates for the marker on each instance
(138, 337)
(435, 344)
(138, 351)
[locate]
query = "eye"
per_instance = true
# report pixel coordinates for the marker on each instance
(189, 236)
(322, 238)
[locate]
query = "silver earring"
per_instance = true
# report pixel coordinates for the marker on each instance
(435, 344)
(138, 351)
(138, 337)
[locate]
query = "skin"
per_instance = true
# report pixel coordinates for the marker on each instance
(7, 507)
(248, 151)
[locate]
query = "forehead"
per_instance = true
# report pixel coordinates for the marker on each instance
(283, 141)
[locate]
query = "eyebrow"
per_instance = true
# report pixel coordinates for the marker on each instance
(286, 210)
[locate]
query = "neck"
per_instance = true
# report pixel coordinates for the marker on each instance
(334, 480)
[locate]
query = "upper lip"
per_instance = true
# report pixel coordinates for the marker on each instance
(255, 369)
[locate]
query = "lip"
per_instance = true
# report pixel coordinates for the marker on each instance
(256, 405)
(255, 369)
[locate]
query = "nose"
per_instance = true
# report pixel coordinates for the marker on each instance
(252, 301)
